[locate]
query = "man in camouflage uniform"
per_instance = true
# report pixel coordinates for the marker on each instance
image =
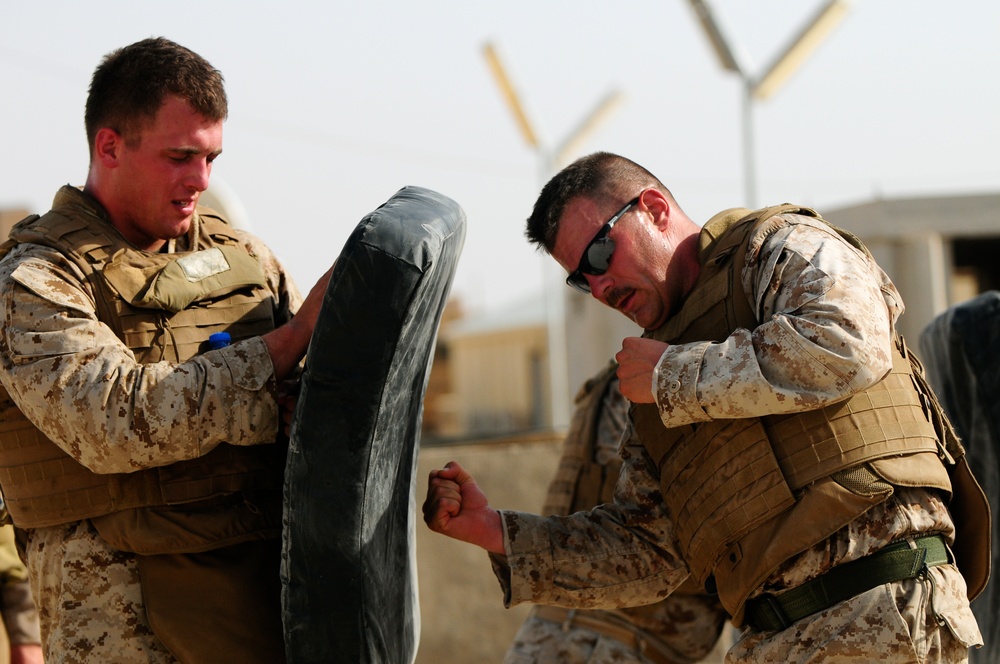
(678, 630)
(783, 446)
(138, 464)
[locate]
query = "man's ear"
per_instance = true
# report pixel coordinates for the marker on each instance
(108, 146)
(658, 205)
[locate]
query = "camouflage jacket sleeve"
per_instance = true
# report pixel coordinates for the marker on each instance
(828, 313)
(616, 555)
(83, 388)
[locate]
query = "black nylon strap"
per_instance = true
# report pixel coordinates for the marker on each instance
(894, 562)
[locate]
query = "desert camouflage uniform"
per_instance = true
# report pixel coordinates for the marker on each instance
(60, 359)
(683, 627)
(838, 343)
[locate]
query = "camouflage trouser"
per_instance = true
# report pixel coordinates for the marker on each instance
(917, 620)
(89, 599)
(694, 635)
(544, 641)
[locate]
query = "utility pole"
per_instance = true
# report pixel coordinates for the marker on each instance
(550, 160)
(761, 87)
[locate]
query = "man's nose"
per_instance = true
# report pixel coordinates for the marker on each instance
(599, 286)
(198, 176)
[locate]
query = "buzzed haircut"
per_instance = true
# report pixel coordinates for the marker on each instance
(131, 83)
(601, 176)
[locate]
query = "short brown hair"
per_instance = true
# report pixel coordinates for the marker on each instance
(601, 176)
(130, 85)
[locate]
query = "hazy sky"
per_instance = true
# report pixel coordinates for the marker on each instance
(334, 106)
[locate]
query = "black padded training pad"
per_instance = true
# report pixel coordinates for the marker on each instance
(348, 576)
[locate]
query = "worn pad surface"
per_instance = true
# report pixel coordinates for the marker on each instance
(348, 574)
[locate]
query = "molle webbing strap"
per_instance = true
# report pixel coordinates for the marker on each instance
(149, 332)
(720, 480)
(44, 487)
(74, 236)
(884, 420)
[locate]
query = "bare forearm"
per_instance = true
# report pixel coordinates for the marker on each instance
(286, 346)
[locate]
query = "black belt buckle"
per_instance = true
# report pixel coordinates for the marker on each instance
(780, 618)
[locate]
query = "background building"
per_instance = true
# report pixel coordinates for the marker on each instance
(939, 251)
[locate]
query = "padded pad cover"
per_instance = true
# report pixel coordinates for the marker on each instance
(348, 563)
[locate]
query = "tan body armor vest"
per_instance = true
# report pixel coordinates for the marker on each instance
(162, 306)
(746, 495)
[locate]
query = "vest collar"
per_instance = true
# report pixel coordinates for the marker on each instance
(715, 228)
(87, 206)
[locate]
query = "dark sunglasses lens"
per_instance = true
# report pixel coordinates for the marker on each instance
(599, 255)
(595, 262)
(579, 282)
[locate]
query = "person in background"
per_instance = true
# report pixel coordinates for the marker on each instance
(681, 629)
(142, 467)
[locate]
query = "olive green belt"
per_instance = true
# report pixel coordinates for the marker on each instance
(891, 563)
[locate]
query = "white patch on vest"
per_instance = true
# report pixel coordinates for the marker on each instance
(203, 264)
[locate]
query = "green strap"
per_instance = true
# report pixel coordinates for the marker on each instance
(891, 563)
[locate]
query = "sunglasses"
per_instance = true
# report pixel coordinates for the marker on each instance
(597, 256)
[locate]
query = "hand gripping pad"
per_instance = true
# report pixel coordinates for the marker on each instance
(349, 591)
